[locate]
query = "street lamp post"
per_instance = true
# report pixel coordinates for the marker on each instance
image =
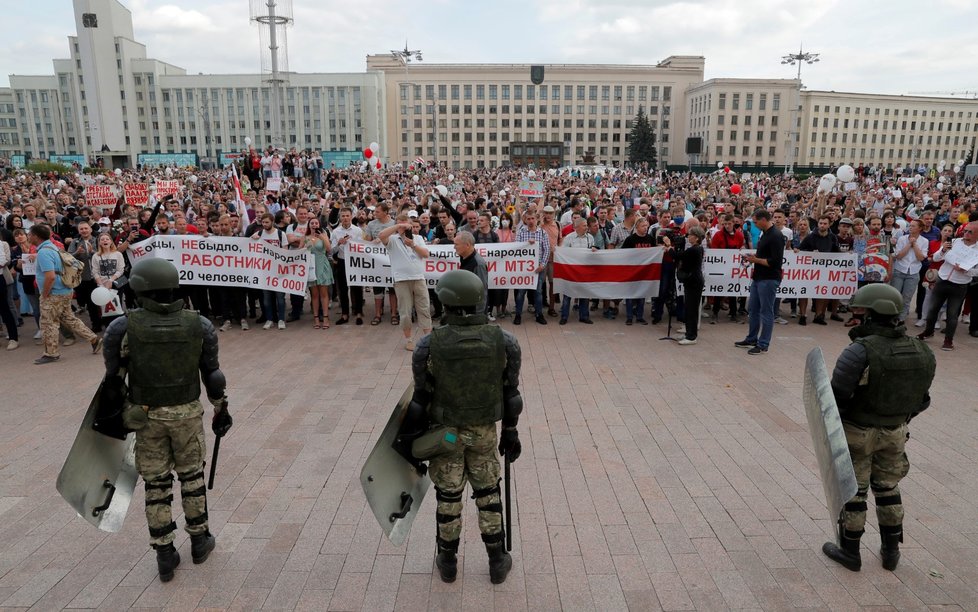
(405, 56)
(791, 59)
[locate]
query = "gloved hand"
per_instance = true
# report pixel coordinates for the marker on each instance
(221, 421)
(509, 444)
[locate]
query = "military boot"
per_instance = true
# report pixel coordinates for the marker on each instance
(846, 553)
(446, 562)
(500, 562)
(201, 546)
(167, 560)
(891, 537)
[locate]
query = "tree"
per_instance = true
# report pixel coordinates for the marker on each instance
(641, 141)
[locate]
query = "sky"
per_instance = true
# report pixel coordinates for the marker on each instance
(897, 47)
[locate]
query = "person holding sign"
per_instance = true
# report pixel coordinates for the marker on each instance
(960, 266)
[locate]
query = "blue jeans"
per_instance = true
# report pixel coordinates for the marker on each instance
(537, 298)
(760, 307)
(906, 284)
(583, 308)
(273, 305)
(634, 308)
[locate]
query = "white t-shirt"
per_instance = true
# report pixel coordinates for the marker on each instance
(406, 264)
(274, 237)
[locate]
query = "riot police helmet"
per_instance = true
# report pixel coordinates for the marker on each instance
(459, 289)
(154, 278)
(880, 298)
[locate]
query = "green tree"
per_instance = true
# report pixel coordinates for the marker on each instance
(641, 141)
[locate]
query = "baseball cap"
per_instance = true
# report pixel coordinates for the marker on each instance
(549, 208)
(104, 221)
(413, 213)
(845, 221)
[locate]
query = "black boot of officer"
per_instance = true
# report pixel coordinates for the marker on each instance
(891, 537)
(201, 546)
(500, 562)
(846, 553)
(167, 560)
(446, 561)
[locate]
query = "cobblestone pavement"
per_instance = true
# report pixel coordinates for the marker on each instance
(652, 476)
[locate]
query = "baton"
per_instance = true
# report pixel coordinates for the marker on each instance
(217, 449)
(509, 515)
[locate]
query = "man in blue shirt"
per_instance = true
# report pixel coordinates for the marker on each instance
(55, 298)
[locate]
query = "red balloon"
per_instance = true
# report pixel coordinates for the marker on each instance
(726, 169)
(735, 189)
(904, 185)
(411, 167)
(368, 153)
(378, 164)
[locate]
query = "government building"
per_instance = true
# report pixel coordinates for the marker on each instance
(109, 100)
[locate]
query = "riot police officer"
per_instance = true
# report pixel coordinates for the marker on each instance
(166, 351)
(880, 382)
(466, 378)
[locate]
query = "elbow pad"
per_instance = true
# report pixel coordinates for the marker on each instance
(215, 383)
(512, 407)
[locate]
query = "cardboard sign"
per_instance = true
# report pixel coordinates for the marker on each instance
(137, 194)
(531, 189)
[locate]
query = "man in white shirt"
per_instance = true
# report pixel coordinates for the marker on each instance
(578, 239)
(342, 235)
(407, 253)
(273, 302)
(960, 266)
(909, 252)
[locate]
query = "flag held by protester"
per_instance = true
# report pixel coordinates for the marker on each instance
(614, 274)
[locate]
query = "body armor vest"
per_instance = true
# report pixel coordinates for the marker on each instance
(164, 355)
(467, 361)
(901, 370)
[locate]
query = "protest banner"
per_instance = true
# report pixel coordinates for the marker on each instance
(137, 194)
(805, 274)
(531, 189)
(230, 262)
(511, 265)
(273, 183)
(613, 274)
(165, 188)
(102, 197)
(27, 266)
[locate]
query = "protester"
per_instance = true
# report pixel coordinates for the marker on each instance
(690, 273)
(766, 279)
(317, 241)
(406, 252)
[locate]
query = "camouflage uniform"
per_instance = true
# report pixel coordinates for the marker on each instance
(168, 437)
(55, 313)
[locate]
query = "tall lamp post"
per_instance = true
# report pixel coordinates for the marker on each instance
(405, 56)
(791, 59)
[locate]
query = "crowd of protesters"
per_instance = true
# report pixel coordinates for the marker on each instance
(900, 224)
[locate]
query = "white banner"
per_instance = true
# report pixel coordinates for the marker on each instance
(230, 262)
(27, 266)
(511, 265)
(805, 274)
(165, 188)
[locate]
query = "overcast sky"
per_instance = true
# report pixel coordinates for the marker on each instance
(866, 46)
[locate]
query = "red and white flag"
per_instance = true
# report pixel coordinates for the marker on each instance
(239, 202)
(607, 275)
(419, 161)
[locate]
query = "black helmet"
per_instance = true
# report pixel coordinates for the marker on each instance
(881, 298)
(153, 274)
(460, 288)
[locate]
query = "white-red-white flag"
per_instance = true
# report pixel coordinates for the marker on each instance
(607, 275)
(239, 202)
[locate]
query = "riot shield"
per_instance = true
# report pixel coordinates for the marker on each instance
(828, 436)
(99, 474)
(393, 487)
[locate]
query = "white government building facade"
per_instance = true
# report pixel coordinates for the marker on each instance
(108, 99)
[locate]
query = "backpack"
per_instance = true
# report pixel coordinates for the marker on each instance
(71, 269)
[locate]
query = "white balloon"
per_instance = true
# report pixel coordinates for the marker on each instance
(845, 173)
(442, 190)
(375, 147)
(502, 193)
(531, 174)
(451, 177)
(826, 183)
(960, 162)
(193, 179)
(118, 171)
(62, 183)
(720, 165)
(247, 141)
(415, 178)
(940, 186)
(168, 172)
(102, 296)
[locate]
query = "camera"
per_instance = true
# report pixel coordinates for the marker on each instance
(409, 234)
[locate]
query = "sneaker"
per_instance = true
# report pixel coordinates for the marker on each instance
(642, 321)
(563, 321)
(68, 342)
(43, 359)
(937, 325)
(781, 321)
(628, 321)
(281, 324)
(757, 351)
(244, 325)
(819, 321)
(11, 345)
(491, 318)
(794, 314)
(745, 344)
(924, 335)
(517, 319)
(920, 323)
(541, 320)
(226, 325)
(409, 346)
(38, 335)
(587, 321)
(714, 319)
(97, 345)
(267, 325)
(686, 342)
(836, 317)
(947, 346)
(803, 320)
